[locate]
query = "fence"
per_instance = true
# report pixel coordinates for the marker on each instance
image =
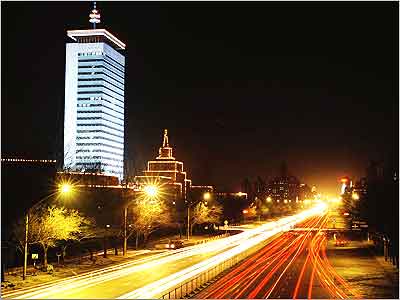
(216, 237)
(187, 287)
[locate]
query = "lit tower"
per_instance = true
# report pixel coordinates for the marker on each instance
(166, 170)
(94, 100)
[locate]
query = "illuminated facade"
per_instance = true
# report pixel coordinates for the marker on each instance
(166, 170)
(94, 101)
(284, 188)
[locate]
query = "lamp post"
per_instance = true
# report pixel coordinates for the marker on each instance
(64, 188)
(188, 220)
(206, 197)
(150, 191)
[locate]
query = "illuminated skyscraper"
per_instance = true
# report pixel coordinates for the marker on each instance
(94, 101)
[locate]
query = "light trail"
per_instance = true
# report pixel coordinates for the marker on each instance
(247, 240)
(262, 274)
(262, 258)
(83, 275)
(226, 247)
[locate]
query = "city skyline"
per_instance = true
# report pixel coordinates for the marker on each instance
(237, 97)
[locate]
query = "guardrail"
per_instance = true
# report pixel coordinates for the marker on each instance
(220, 236)
(185, 289)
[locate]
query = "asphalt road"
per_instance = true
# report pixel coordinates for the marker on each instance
(120, 281)
(150, 276)
(293, 266)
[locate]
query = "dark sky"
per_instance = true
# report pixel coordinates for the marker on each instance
(241, 87)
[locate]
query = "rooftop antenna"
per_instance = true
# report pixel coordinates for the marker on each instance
(94, 16)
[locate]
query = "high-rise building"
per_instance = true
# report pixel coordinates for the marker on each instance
(285, 187)
(94, 101)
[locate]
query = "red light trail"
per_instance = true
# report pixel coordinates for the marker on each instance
(302, 253)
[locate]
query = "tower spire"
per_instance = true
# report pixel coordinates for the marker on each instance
(94, 16)
(165, 140)
(165, 151)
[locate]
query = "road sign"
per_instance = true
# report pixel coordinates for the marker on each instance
(35, 256)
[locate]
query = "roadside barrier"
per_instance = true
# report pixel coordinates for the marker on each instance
(212, 238)
(189, 288)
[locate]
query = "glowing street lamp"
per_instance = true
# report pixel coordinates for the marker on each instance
(63, 189)
(207, 196)
(355, 196)
(269, 199)
(151, 191)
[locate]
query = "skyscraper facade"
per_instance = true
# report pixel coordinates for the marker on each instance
(94, 101)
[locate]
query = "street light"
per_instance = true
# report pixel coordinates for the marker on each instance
(150, 191)
(355, 196)
(207, 196)
(63, 188)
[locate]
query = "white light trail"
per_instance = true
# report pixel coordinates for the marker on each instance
(157, 288)
(229, 247)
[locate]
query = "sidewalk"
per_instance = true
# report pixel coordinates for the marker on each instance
(13, 280)
(369, 274)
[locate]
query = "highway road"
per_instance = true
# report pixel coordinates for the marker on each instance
(149, 277)
(293, 266)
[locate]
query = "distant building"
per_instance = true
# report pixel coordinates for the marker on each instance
(231, 195)
(305, 192)
(88, 179)
(94, 101)
(198, 192)
(167, 171)
(360, 187)
(284, 187)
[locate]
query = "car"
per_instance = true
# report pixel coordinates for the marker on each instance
(174, 244)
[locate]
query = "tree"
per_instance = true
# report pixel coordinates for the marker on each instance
(88, 230)
(203, 213)
(148, 215)
(50, 225)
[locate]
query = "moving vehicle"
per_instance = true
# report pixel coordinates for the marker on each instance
(174, 244)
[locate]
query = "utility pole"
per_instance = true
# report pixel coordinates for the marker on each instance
(26, 245)
(125, 233)
(188, 220)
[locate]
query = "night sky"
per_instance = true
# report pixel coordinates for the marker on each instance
(241, 87)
